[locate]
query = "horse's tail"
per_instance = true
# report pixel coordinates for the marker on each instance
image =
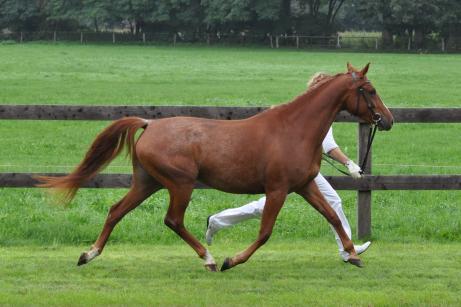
(107, 145)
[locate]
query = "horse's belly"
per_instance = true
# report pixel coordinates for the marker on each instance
(232, 183)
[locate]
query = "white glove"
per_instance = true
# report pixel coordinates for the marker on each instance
(353, 169)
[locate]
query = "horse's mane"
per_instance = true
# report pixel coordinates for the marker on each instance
(315, 82)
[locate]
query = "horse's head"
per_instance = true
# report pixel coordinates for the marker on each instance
(363, 101)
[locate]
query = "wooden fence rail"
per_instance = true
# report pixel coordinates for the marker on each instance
(88, 112)
(363, 186)
(423, 182)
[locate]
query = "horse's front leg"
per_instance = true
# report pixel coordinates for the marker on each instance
(274, 202)
(312, 194)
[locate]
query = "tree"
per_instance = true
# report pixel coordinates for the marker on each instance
(449, 22)
(403, 18)
(64, 14)
(23, 15)
(322, 13)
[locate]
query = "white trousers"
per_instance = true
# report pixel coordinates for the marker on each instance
(254, 209)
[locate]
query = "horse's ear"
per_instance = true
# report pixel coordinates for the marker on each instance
(365, 69)
(349, 67)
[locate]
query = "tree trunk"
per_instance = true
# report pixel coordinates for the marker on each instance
(96, 26)
(454, 37)
(387, 38)
(131, 28)
(419, 38)
(285, 16)
(139, 26)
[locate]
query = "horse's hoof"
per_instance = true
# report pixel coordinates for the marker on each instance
(226, 265)
(355, 261)
(83, 259)
(211, 267)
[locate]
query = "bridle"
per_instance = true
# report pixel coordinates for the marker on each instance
(375, 116)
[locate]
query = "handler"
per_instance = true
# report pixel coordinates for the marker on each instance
(254, 209)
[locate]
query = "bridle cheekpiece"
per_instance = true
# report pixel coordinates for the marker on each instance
(375, 116)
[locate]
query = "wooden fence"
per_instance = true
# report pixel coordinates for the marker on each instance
(299, 40)
(363, 186)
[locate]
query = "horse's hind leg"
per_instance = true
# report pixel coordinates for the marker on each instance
(174, 219)
(313, 195)
(142, 187)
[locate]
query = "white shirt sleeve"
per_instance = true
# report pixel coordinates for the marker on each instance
(329, 143)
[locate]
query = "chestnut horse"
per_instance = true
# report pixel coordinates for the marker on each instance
(275, 152)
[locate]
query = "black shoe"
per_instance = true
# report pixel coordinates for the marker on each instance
(208, 221)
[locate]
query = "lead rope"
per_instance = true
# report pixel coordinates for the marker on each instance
(371, 136)
(327, 159)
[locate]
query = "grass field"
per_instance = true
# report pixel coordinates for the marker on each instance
(297, 273)
(416, 235)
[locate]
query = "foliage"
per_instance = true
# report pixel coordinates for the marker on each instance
(410, 19)
(22, 14)
(172, 15)
(397, 19)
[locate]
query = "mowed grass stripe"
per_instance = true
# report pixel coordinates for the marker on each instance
(92, 74)
(290, 273)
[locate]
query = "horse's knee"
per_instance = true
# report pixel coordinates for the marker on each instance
(263, 237)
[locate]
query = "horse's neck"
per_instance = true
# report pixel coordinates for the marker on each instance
(313, 112)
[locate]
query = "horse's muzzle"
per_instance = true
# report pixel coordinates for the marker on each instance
(385, 124)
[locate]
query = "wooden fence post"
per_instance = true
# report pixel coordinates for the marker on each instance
(272, 43)
(174, 40)
(54, 37)
(277, 41)
(297, 42)
(144, 37)
(363, 196)
(21, 38)
(443, 44)
(81, 37)
(376, 43)
(338, 44)
(113, 37)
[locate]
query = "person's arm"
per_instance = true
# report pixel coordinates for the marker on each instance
(332, 149)
(338, 155)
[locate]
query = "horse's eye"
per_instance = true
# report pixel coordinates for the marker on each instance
(373, 92)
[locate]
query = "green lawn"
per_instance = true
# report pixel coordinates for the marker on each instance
(75, 74)
(417, 234)
(296, 273)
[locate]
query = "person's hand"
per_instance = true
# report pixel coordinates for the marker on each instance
(354, 169)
